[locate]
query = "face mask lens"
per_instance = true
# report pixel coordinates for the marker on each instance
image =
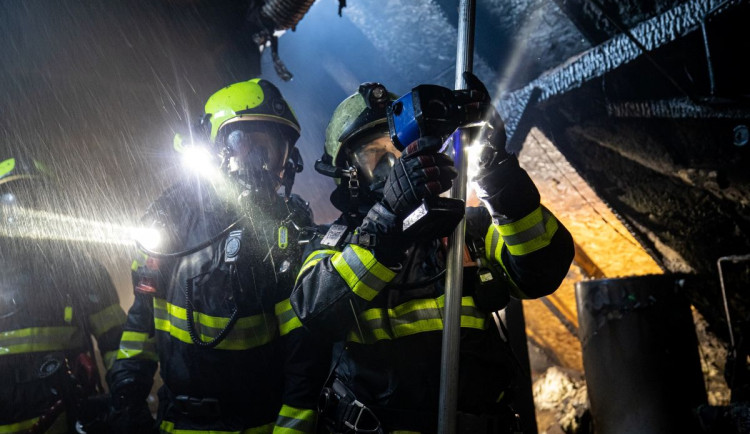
(256, 149)
(373, 155)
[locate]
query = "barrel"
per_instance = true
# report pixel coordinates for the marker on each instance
(640, 354)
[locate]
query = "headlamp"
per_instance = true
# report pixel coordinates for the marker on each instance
(150, 238)
(196, 157)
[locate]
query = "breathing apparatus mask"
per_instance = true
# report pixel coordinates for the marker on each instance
(372, 155)
(255, 154)
(358, 152)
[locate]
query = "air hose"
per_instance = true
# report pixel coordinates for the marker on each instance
(189, 287)
(201, 246)
(197, 340)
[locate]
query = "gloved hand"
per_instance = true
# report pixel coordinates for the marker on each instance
(391, 244)
(501, 184)
(133, 419)
(421, 172)
(129, 411)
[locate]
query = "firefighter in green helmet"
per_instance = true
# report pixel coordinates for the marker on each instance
(211, 303)
(54, 297)
(378, 291)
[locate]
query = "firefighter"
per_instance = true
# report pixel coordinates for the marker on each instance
(211, 304)
(378, 291)
(53, 298)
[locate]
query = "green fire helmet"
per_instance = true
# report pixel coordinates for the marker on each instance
(20, 168)
(253, 100)
(24, 182)
(360, 112)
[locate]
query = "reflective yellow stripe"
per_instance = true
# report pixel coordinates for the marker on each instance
(493, 249)
(248, 332)
(168, 427)
(313, 258)
(106, 319)
(109, 358)
(59, 426)
(294, 420)
(529, 234)
(540, 242)
(132, 336)
(286, 317)
(68, 314)
(19, 427)
(361, 271)
(36, 339)
(525, 223)
(416, 316)
(137, 345)
(139, 261)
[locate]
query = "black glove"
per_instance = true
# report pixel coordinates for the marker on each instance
(390, 242)
(93, 414)
(129, 411)
(134, 419)
(502, 185)
(506, 189)
(419, 173)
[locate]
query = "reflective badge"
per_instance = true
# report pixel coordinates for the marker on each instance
(283, 237)
(334, 235)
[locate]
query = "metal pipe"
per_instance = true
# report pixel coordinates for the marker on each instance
(733, 259)
(448, 404)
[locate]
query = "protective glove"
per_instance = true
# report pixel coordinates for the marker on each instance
(501, 184)
(129, 411)
(133, 419)
(421, 172)
(390, 242)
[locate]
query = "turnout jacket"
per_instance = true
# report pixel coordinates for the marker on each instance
(53, 299)
(259, 378)
(388, 322)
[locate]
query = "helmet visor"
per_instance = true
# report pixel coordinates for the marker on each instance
(257, 147)
(373, 154)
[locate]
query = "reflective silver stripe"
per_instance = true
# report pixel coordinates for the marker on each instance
(137, 345)
(106, 319)
(248, 332)
(108, 358)
(529, 234)
(361, 271)
(286, 317)
(416, 316)
(293, 420)
(313, 258)
(35, 339)
(493, 244)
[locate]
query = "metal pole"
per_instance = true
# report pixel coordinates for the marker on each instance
(454, 264)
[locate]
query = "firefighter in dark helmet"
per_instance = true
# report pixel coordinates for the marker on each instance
(211, 304)
(379, 291)
(53, 298)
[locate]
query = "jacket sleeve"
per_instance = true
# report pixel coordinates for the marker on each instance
(136, 360)
(334, 286)
(306, 362)
(535, 251)
(105, 317)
